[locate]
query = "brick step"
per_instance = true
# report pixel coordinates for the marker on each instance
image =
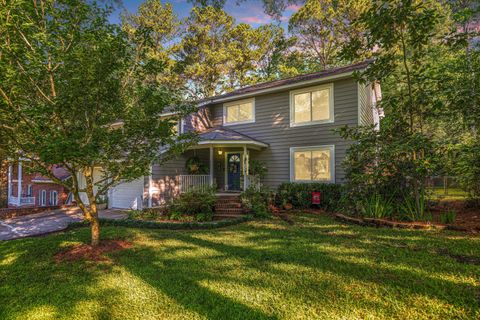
(228, 205)
(229, 211)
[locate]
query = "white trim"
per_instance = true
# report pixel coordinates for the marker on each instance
(29, 188)
(331, 102)
(310, 148)
(235, 103)
(52, 192)
(42, 201)
(280, 88)
(226, 166)
(150, 187)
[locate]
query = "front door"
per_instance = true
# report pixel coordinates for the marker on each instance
(233, 171)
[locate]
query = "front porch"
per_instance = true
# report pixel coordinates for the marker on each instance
(228, 161)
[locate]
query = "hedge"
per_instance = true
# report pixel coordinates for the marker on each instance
(131, 223)
(300, 195)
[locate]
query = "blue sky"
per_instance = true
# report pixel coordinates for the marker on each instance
(249, 11)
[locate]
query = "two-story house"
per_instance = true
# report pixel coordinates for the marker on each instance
(286, 124)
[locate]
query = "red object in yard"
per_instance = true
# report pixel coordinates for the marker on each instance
(316, 195)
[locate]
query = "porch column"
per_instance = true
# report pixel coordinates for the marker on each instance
(245, 167)
(211, 165)
(9, 191)
(19, 185)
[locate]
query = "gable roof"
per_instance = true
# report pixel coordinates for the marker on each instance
(287, 82)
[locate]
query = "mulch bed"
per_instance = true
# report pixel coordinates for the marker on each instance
(89, 253)
(468, 217)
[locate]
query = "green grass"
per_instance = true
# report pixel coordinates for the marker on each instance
(438, 193)
(315, 269)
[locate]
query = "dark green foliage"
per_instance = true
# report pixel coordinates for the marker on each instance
(257, 200)
(448, 217)
(195, 166)
(375, 206)
(300, 195)
(198, 203)
(467, 168)
(257, 168)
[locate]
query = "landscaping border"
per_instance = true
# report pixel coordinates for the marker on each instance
(373, 222)
(131, 223)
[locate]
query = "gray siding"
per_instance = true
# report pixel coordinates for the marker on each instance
(272, 126)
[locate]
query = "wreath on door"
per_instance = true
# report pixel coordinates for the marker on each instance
(195, 166)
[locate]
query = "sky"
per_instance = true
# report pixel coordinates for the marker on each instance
(250, 11)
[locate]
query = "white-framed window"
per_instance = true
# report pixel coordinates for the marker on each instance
(312, 164)
(240, 111)
(29, 190)
(42, 198)
(53, 198)
(312, 105)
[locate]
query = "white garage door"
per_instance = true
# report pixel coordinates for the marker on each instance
(127, 195)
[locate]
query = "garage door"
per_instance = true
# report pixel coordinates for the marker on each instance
(128, 195)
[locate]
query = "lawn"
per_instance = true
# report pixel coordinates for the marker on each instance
(315, 269)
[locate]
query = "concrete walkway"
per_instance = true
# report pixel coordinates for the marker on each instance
(47, 222)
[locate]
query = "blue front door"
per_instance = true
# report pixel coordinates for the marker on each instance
(233, 171)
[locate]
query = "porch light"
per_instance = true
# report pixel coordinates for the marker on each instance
(220, 152)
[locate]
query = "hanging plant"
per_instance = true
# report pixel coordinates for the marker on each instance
(195, 166)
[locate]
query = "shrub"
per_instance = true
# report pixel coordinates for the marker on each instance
(376, 206)
(410, 210)
(147, 214)
(257, 200)
(448, 217)
(199, 201)
(300, 195)
(467, 168)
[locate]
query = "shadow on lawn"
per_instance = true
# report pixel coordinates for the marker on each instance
(272, 259)
(32, 285)
(181, 275)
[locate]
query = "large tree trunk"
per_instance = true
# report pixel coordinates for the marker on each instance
(93, 213)
(95, 229)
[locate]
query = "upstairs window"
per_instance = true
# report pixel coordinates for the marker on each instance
(311, 106)
(311, 164)
(238, 112)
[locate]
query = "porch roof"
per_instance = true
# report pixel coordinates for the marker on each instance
(221, 136)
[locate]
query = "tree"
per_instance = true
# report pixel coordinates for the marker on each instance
(153, 32)
(215, 55)
(67, 75)
(324, 27)
(405, 37)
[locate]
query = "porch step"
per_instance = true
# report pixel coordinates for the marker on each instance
(228, 205)
(224, 216)
(229, 211)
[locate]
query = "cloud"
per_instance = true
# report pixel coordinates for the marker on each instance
(293, 7)
(255, 19)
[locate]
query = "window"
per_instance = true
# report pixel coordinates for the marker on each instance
(311, 105)
(42, 198)
(239, 112)
(312, 164)
(29, 190)
(53, 198)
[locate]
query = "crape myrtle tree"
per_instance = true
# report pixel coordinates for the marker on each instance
(68, 76)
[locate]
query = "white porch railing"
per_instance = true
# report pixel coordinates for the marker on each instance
(190, 182)
(23, 200)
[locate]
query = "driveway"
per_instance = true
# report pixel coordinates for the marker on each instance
(46, 222)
